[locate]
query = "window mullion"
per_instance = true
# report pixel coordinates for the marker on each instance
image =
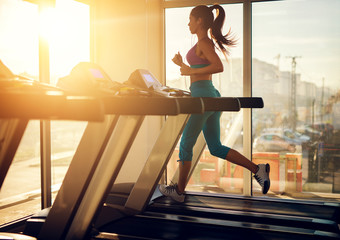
(247, 70)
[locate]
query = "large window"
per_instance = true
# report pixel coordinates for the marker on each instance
(296, 46)
(68, 32)
(19, 51)
(295, 59)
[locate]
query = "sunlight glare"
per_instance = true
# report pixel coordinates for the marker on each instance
(46, 19)
(67, 28)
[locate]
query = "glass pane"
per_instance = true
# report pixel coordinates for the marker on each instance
(296, 46)
(69, 45)
(70, 38)
(65, 137)
(211, 173)
(19, 46)
(20, 192)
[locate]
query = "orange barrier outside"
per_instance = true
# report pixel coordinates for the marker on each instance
(231, 175)
(293, 172)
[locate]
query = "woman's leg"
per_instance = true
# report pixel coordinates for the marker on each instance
(188, 140)
(261, 171)
(189, 137)
(190, 134)
(176, 191)
(237, 158)
(184, 169)
(212, 134)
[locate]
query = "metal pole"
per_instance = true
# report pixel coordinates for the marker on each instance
(247, 72)
(45, 125)
(322, 97)
(293, 110)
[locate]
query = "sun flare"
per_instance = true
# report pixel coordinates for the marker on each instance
(67, 30)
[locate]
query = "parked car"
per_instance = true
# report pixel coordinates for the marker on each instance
(296, 137)
(272, 142)
(312, 133)
(288, 134)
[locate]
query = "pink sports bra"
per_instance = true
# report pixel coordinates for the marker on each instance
(194, 60)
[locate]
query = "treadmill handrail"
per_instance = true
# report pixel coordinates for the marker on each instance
(251, 102)
(47, 105)
(168, 105)
(141, 106)
(229, 104)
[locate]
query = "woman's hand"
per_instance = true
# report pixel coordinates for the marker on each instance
(178, 60)
(186, 70)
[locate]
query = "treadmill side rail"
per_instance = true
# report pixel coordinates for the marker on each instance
(104, 175)
(11, 132)
(156, 163)
(80, 171)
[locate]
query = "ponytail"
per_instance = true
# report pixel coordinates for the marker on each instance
(216, 31)
(215, 25)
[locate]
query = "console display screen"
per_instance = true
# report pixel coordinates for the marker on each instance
(150, 80)
(96, 73)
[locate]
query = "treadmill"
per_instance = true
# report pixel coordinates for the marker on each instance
(137, 211)
(86, 186)
(312, 217)
(156, 216)
(207, 216)
(23, 99)
(103, 147)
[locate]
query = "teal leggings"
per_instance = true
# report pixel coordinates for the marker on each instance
(209, 122)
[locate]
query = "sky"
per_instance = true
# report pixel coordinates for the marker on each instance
(307, 29)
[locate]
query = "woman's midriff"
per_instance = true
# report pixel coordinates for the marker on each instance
(199, 77)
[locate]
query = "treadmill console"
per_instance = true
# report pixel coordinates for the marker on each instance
(144, 79)
(86, 77)
(89, 78)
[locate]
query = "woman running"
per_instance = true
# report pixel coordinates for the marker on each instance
(204, 62)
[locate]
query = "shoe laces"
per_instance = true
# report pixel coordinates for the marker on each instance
(258, 179)
(172, 187)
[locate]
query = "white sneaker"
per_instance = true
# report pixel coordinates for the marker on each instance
(171, 191)
(262, 177)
